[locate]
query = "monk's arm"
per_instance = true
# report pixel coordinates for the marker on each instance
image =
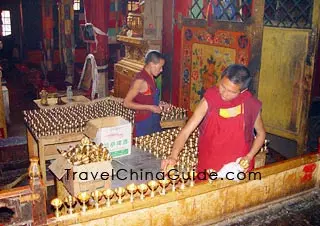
(192, 124)
(138, 86)
(260, 137)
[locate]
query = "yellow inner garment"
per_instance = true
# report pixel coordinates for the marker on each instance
(230, 112)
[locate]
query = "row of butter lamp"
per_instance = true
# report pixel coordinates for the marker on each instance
(73, 119)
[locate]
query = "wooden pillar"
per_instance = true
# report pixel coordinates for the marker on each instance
(47, 34)
(3, 125)
(167, 49)
(97, 13)
(181, 9)
(66, 37)
(316, 79)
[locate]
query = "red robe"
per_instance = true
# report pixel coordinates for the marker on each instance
(144, 98)
(227, 130)
(146, 122)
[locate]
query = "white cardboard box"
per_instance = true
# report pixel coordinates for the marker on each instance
(115, 133)
(84, 178)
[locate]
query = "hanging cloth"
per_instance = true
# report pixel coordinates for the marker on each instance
(94, 73)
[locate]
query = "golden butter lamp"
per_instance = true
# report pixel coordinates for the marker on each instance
(70, 202)
(132, 189)
(142, 188)
(173, 178)
(97, 195)
(120, 192)
(192, 175)
(153, 185)
(56, 203)
(108, 194)
(83, 198)
(183, 178)
(164, 183)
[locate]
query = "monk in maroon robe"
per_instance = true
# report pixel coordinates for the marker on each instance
(228, 114)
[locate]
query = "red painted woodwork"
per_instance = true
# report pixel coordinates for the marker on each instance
(167, 48)
(35, 56)
(181, 7)
(96, 13)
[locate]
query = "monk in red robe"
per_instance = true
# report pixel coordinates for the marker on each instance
(228, 115)
(144, 96)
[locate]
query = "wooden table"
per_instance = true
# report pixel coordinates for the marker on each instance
(46, 149)
(172, 123)
(52, 102)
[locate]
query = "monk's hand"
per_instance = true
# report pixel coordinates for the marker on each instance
(244, 162)
(167, 163)
(155, 109)
(164, 106)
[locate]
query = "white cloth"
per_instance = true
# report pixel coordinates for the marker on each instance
(96, 31)
(94, 73)
(5, 95)
(233, 168)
